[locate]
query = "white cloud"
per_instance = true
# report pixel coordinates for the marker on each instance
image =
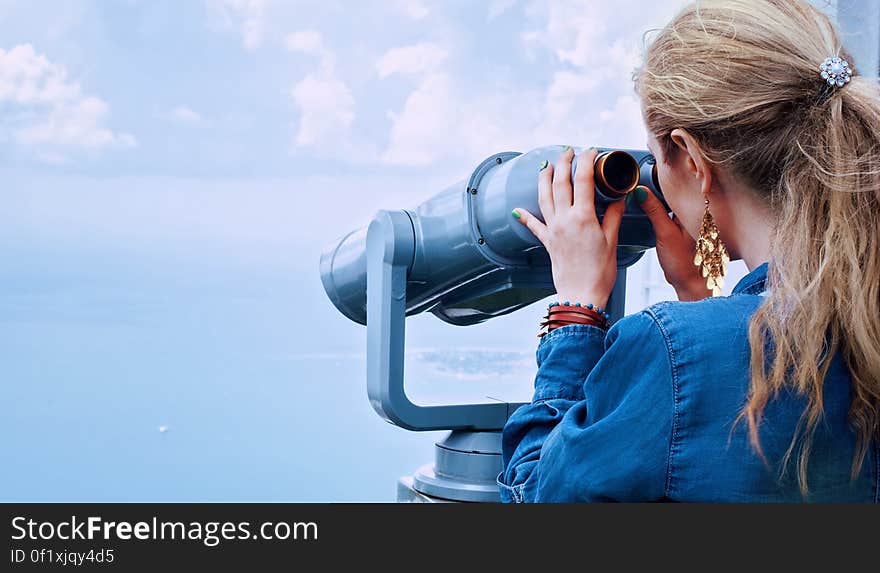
(567, 93)
(415, 9)
(439, 120)
(76, 123)
(572, 31)
(617, 124)
(311, 42)
(588, 99)
(326, 106)
(499, 7)
(48, 109)
(186, 115)
(247, 16)
(411, 60)
(306, 41)
(444, 118)
(420, 131)
(326, 109)
(597, 61)
(426, 125)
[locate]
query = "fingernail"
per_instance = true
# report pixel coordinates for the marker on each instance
(544, 165)
(628, 199)
(566, 148)
(641, 194)
(515, 214)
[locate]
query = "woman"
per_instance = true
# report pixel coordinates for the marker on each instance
(772, 393)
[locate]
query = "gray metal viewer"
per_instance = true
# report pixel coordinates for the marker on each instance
(461, 256)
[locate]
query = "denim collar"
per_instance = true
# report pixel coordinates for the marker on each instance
(754, 282)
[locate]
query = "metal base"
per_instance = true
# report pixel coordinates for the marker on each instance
(406, 493)
(465, 467)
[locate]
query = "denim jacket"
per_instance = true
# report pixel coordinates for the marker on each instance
(645, 412)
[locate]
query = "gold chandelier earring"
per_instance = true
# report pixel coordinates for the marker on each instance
(711, 254)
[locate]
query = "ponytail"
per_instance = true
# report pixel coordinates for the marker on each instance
(742, 77)
(825, 293)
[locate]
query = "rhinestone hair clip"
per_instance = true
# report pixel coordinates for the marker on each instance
(836, 71)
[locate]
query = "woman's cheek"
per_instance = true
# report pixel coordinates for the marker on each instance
(667, 187)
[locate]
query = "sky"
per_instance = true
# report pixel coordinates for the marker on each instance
(170, 172)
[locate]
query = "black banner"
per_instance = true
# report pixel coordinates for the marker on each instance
(265, 537)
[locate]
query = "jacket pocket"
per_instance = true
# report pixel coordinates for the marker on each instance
(509, 493)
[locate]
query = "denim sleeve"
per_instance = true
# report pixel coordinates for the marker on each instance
(600, 422)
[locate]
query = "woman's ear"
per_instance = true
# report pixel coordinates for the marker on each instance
(691, 158)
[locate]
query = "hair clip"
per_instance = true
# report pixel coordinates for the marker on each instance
(836, 71)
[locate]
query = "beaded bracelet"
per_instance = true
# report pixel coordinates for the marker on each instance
(561, 314)
(580, 306)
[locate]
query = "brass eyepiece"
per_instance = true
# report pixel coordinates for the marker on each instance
(616, 173)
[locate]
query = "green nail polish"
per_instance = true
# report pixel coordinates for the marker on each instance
(566, 148)
(515, 213)
(641, 194)
(628, 199)
(544, 165)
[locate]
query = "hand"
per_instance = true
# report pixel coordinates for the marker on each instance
(675, 249)
(583, 252)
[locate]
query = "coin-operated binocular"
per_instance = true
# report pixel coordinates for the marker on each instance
(461, 256)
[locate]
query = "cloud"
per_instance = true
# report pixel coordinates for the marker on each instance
(616, 124)
(587, 98)
(325, 102)
(247, 16)
(415, 9)
(420, 131)
(573, 31)
(411, 60)
(306, 41)
(499, 7)
(326, 106)
(76, 123)
(183, 114)
(439, 119)
(48, 109)
(596, 62)
(425, 126)
(326, 109)
(311, 42)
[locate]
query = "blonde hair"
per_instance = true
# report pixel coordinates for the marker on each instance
(742, 77)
